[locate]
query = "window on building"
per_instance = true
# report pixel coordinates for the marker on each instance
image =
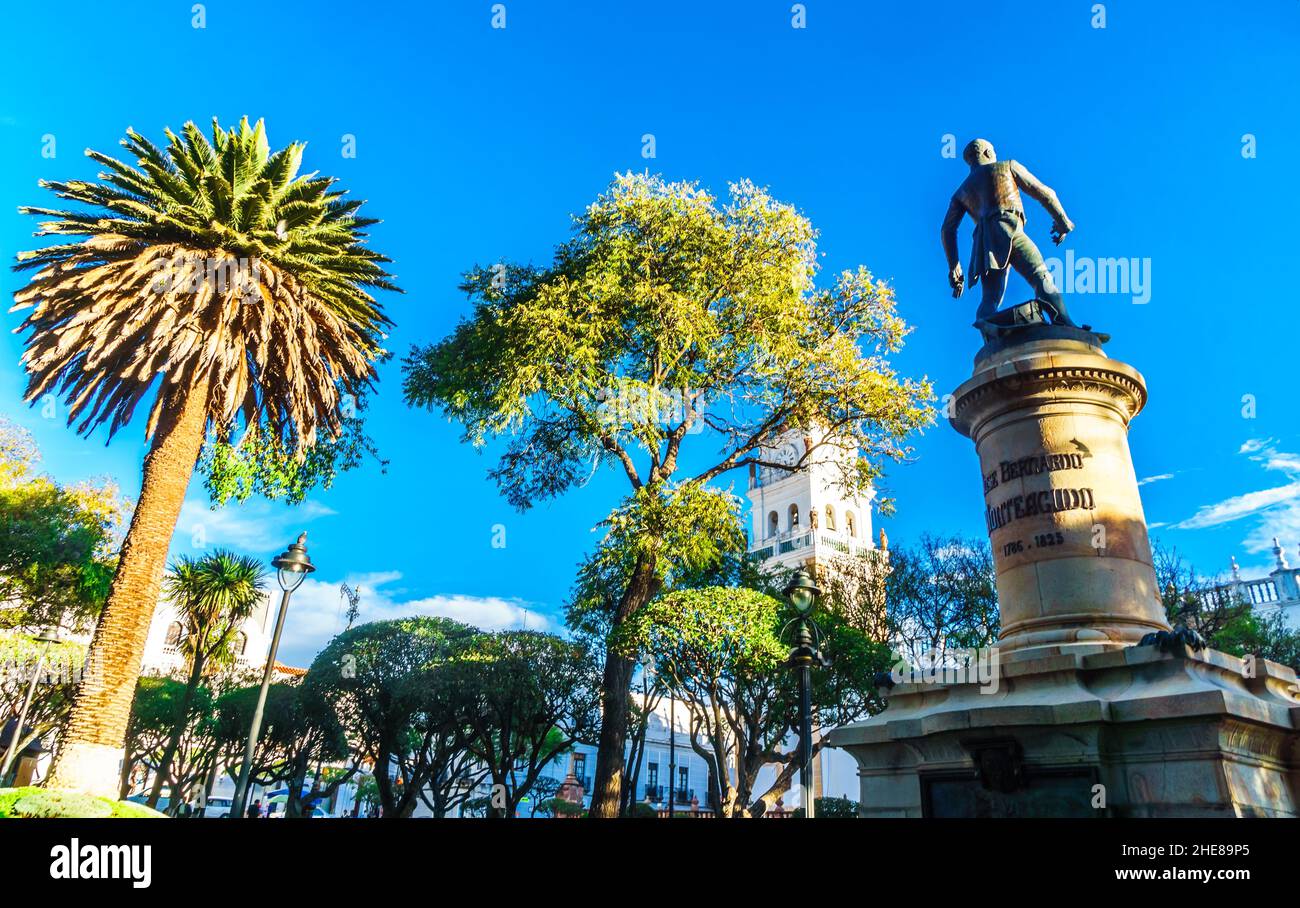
(848, 524)
(580, 765)
(683, 776)
(773, 524)
(830, 517)
(174, 632)
(241, 643)
(652, 774)
(794, 516)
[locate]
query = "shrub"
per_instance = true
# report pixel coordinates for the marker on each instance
(644, 811)
(40, 802)
(833, 809)
(559, 807)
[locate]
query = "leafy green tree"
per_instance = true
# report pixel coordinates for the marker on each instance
(526, 697)
(709, 645)
(668, 316)
(60, 666)
(541, 798)
(216, 289)
(153, 716)
(265, 464)
(854, 587)
(213, 595)
(1227, 621)
(300, 734)
(154, 710)
(382, 682)
(941, 598)
(719, 649)
(458, 771)
(57, 543)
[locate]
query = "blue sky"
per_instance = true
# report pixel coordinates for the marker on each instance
(475, 143)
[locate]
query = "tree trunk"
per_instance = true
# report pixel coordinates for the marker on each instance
(293, 803)
(607, 787)
(124, 788)
(629, 796)
(174, 740)
(91, 749)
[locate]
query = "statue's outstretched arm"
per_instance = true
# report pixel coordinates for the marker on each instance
(1045, 196)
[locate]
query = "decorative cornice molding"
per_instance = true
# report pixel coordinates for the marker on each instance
(999, 390)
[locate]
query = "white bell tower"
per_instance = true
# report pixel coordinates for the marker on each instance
(804, 519)
(804, 516)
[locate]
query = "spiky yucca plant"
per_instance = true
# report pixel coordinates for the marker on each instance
(214, 282)
(213, 596)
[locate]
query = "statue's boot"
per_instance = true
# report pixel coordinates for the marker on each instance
(987, 329)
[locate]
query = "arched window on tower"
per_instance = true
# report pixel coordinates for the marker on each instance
(830, 518)
(174, 632)
(773, 523)
(794, 516)
(849, 526)
(241, 643)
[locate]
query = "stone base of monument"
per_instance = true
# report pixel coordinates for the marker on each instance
(1134, 732)
(1081, 720)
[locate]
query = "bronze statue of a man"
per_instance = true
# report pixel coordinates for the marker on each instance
(991, 196)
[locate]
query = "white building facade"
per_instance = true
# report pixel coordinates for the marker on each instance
(163, 654)
(1277, 593)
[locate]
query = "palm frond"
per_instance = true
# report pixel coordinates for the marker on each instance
(207, 258)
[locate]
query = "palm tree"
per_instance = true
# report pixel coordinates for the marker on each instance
(216, 282)
(213, 595)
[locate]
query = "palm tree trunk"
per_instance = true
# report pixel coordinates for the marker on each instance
(91, 750)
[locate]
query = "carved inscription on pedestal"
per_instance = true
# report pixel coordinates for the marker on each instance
(1004, 509)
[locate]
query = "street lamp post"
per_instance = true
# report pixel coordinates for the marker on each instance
(46, 639)
(803, 593)
(292, 568)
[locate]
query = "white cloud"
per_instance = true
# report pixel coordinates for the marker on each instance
(1239, 506)
(1157, 478)
(1283, 524)
(316, 611)
(255, 527)
(1277, 509)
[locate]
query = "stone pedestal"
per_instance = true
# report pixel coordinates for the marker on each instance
(1074, 719)
(1049, 417)
(1131, 732)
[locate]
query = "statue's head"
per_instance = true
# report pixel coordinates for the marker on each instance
(979, 151)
